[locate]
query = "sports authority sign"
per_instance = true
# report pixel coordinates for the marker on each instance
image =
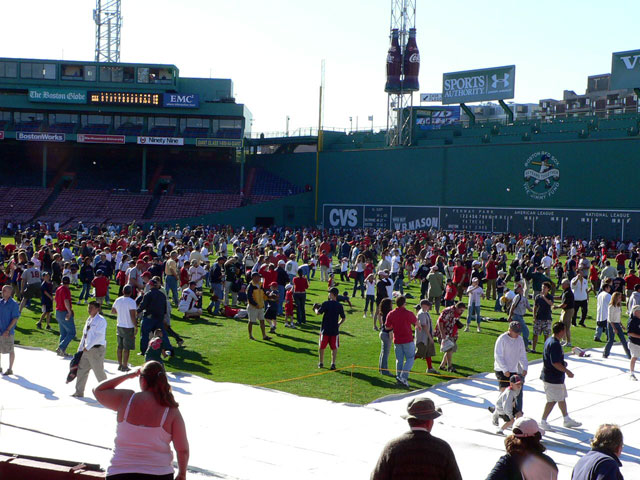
(94, 138)
(479, 85)
(541, 175)
(625, 70)
(40, 137)
(160, 141)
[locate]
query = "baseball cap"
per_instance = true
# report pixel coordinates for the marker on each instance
(281, 262)
(515, 326)
(526, 427)
(515, 379)
(422, 408)
(273, 284)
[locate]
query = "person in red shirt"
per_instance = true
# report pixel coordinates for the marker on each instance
(459, 272)
(101, 285)
(400, 321)
(594, 278)
(64, 316)
(288, 307)
(325, 262)
(269, 274)
(621, 258)
(300, 286)
(184, 275)
(491, 276)
(450, 293)
(631, 281)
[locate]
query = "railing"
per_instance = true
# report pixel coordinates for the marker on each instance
(313, 132)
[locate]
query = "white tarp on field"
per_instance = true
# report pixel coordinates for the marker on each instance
(241, 432)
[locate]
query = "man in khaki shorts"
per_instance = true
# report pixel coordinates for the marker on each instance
(9, 314)
(256, 297)
(553, 374)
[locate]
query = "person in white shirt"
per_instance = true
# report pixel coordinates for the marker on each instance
(580, 289)
(92, 345)
(291, 267)
(475, 293)
(546, 264)
(509, 358)
(127, 326)
(602, 315)
(196, 273)
(614, 326)
(189, 302)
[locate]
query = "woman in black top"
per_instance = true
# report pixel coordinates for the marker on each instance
(525, 457)
(386, 305)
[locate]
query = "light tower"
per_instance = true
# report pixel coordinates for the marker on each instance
(400, 96)
(108, 25)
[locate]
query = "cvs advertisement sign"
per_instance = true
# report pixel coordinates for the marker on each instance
(343, 216)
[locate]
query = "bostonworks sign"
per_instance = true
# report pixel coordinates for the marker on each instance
(625, 70)
(496, 83)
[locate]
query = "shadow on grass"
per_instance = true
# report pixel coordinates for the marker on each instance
(289, 348)
(295, 339)
(190, 361)
(377, 380)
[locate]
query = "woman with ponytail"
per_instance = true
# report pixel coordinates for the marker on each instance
(148, 421)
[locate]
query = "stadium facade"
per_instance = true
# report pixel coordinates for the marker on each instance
(173, 149)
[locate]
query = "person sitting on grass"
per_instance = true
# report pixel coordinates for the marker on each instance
(332, 317)
(189, 302)
(506, 406)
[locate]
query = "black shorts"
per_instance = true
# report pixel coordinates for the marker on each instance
(503, 382)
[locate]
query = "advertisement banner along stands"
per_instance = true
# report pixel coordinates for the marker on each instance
(496, 83)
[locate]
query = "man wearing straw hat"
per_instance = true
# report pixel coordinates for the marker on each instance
(417, 454)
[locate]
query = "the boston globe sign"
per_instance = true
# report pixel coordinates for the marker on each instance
(479, 85)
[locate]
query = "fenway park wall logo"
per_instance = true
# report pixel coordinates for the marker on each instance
(541, 175)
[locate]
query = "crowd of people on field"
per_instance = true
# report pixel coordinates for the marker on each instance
(264, 275)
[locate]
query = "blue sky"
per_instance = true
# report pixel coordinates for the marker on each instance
(273, 49)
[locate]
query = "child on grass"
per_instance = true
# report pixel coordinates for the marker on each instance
(425, 346)
(288, 307)
(154, 350)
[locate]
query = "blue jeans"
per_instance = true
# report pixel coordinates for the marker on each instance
(385, 349)
(218, 291)
(613, 329)
(67, 329)
(497, 307)
(149, 325)
(171, 285)
(281, 293)
(600, 330)
(525, 328)
(405, 355)
(85, 292)
(300, 299)
(474, 312)
(358, 283)
(398, 284)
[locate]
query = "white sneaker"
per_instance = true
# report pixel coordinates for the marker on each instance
(478, 329)
(364, 316)
(544, 425)
(571, 423)
(500, 432)
(633, 377)
(466, 329)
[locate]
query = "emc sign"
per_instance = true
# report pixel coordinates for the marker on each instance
(181, 100)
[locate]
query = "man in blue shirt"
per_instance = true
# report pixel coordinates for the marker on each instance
(602, 462)
(332, 317)
(553, 373)
(9, 314)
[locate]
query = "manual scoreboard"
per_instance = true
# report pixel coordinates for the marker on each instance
(125, 98)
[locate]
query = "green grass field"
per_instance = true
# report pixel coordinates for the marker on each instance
(219, 349)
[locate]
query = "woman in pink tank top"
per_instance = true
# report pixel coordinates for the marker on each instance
(148, 422)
